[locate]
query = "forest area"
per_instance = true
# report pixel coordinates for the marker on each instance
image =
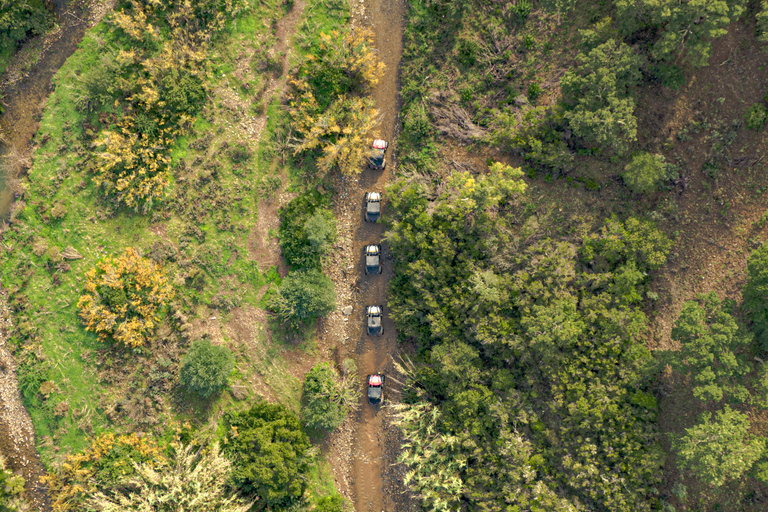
(570, 346)
(576, 216)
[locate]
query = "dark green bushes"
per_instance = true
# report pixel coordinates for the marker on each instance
(22, 18)
(206, 367)
(269, 454)
(306, 230)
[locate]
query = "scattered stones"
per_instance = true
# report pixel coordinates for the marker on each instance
(347, 311)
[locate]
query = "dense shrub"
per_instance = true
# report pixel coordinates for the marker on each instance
(644, 173)
(269, 454)
(504, 318)
(327, 398)
(303, 296)
(206, 367)
(329, 109)
(303, 247)
(124, 298)
(11, 490)
(103, 466)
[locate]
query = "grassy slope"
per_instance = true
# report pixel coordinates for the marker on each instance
(213, 199)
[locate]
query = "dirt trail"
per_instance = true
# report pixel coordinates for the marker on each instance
(372, 488)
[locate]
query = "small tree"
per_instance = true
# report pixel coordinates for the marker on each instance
(598, 94)
(205, 368)
(124, 297)
(644, 173)
(303, 296)
(269, 454)
(710, 343)
(327, 398)
(720, 450)
(11, 491)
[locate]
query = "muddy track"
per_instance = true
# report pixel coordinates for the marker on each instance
(374, 486)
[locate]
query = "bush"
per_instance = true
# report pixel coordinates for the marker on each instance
(305, 211)
(303, 296)
(327, 398)
(756, 117)
(269, 454)
(124, 297)
(205, 368)
(320, 231)
(644, 173)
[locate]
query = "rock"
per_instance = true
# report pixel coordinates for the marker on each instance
(347, 311)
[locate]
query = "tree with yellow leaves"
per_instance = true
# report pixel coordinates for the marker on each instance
(123, 298)
(330, 107)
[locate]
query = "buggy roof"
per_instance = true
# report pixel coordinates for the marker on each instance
(374, 380)
(379, 144)
(374, 196)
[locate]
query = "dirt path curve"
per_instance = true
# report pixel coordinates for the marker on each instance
(374, 489)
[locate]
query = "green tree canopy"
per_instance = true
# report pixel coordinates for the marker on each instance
(711, 342)
(303, 296)
(598, 95)
(269, 454)
(720, 450)
(205, 368)
(644, 173)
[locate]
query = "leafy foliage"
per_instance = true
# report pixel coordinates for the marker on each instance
(206, 367)
(598, 95)
(21, 18)
(11, 490)
(306, 230)
(124, 297)
(711, 345)
(756, 117)
(303, 296)
(192, 479)
(156, 81)
(644, 173)
(109, 460)
(269, 454)
(528, 390)
(329, 108)
(327, 398)
(756, 293)
(720, 450)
